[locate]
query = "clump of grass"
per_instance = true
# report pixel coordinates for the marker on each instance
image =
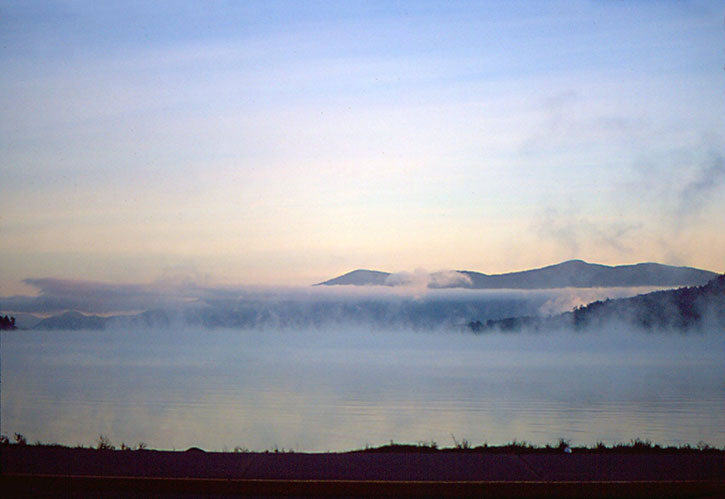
(639, 445)
(705, 447)
(104, 443)
(564, 445)
(464, 444)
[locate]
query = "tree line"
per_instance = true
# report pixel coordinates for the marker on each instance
(7, 323)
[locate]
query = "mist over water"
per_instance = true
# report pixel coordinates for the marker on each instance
(344, 385)
(126, 307)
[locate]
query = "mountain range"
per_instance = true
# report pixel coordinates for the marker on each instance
(572, 273)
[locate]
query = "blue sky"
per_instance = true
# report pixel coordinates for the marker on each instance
(287, 142)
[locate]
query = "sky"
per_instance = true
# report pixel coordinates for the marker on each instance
(290, 142)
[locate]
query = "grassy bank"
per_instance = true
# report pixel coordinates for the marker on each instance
(636, 446)
(563, 446)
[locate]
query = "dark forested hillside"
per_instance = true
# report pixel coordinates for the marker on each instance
(684, 309)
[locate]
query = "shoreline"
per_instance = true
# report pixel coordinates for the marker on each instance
(48, 470)
(636, 446)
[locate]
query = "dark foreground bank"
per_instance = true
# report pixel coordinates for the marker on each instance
(52, 471)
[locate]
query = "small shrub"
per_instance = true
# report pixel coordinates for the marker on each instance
(563, 445)
(4, 440)
(104, 443)
(20, 439)
(703, 446)
(462, 445)
(640, 445)
(141, 446)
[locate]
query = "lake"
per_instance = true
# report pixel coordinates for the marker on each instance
(321, 389)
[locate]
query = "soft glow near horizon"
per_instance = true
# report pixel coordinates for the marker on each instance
(286, 143)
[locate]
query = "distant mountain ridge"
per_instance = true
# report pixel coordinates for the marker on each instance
(569, 274)
(359, 277)
(72, 320)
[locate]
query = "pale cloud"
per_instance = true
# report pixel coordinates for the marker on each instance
(577, 234)
(420, 279)
(706, 184)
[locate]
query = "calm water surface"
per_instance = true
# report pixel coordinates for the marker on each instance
(344, 388)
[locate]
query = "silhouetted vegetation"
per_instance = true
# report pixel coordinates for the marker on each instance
(507, 324)
(104, 443)
(636, 446)
(7, 323)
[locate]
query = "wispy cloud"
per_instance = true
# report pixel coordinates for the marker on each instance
(708, 179)
(577, 234)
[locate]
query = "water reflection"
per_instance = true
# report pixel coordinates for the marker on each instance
(334, 390)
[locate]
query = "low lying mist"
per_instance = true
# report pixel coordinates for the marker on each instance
(73, 305)
(63, 304)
